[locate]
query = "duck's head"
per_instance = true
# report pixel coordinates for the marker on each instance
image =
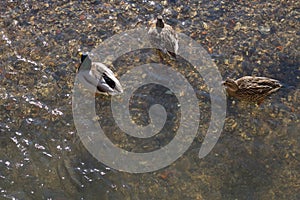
(230, 85)
(160, 22)
(83, 56)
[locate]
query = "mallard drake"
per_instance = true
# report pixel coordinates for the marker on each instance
(96, 74)
(249, 88)
(162, 36)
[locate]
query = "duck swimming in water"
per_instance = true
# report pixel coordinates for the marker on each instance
(251, 89)
(163, 37)
(97, 75)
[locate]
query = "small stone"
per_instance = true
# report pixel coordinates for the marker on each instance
(264, 29)
(237, 26)
(205, 26)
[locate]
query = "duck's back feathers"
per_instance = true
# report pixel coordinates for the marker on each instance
(251, 88)
(259, 85)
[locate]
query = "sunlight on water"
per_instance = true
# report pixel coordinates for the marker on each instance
(41, 155)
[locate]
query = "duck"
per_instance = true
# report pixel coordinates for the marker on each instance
(251, 88)
(163, 37)
(96, 74)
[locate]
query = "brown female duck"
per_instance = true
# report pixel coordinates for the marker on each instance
(162, 36)
(252, 89)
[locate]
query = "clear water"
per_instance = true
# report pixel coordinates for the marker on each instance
(42, 157)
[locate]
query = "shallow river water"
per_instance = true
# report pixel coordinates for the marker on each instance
(257, 155)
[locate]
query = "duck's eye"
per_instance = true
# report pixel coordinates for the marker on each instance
(109, 81)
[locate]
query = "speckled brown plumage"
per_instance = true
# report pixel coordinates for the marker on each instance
(252, 89)
(162, 36)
